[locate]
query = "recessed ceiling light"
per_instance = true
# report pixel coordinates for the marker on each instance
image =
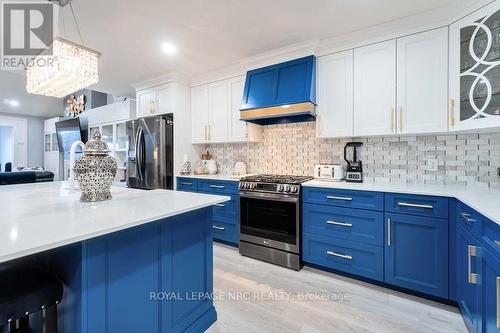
(168, 48)
(11, 102)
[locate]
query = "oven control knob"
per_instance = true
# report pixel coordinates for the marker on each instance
(294, 189)
(247, 186)
(280, 188)
(241, 185)
(287, 188)
(253, 186)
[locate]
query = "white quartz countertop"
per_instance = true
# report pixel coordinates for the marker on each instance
(38, 217)
(215, 177)
(485, 200)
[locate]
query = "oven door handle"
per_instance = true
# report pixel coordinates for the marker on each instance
(268, 196)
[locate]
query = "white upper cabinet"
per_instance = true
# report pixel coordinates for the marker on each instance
(218, 108)
(422, 82)
(475, 70)
(216, 116)
(164, 99)
(155, 101)
(375, 89)
(335, 95)
(199, 111)
(145, 102)
(238, 130)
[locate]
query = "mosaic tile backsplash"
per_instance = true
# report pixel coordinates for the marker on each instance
(463, 159)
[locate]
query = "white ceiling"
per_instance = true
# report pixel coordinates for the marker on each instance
(214, 33)
(13, 87)
(210, 34)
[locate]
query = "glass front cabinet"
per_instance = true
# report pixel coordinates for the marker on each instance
(475, 70)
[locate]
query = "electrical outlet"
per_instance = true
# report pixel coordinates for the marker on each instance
(432, 165)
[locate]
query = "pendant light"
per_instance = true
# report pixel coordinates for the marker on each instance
(69, 68)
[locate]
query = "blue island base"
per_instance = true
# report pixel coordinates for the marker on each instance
(157, 277)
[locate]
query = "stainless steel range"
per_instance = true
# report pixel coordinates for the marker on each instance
(270, 218)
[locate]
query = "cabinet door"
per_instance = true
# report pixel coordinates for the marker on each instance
(416, 253)
(335, 95)
(468, 288)
(375, 89)
(475, 70)
(164, 99)
(491, 292)
(237, 130)
(199, 112)
(218, 109)
(144, 102)
(422, 67)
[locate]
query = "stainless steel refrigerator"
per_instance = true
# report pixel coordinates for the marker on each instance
(150, 162)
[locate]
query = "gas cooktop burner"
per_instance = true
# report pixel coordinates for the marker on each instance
(277, 179)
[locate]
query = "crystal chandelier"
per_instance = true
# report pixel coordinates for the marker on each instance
(69, 68)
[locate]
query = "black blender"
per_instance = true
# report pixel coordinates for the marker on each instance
(354, 171)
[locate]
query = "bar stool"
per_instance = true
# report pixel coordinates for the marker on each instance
(25, 290)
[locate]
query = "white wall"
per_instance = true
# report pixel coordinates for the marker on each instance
(34, 140)
(6, 146)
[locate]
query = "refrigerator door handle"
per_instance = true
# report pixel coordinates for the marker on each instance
(138, 152)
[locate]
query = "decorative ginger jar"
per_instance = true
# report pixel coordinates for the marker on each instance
(95, 170)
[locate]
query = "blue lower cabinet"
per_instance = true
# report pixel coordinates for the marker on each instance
(225, 216)
(344, 198)
(421, 205)
(416, 253)
(350, 224)
(227, 211)
(468, 279)
(351, 257)
(227, 232)
(490, 283)
(187, 184)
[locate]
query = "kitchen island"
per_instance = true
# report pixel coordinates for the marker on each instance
(141, 262)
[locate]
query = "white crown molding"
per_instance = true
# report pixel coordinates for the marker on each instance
(167, 77)
(437, 18)
(218, 74)
(281, 54)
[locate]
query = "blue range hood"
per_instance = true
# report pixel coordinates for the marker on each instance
(282, 93)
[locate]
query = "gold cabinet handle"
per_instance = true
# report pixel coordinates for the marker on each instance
(471, 252)
(392, 119)
(388, 232)
(335, 254)
(401, 119)
(498, 302)
(497, 243)
(452, 112)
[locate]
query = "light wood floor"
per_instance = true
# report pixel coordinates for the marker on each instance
(367, 308)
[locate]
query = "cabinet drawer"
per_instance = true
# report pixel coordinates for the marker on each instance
(469, 219)
(421, 205)
(217, 186)
(491, 236)
(225, 232)
(346, 223)
(187, 184)
(346, 256)
(227, 211)
(344, 198)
